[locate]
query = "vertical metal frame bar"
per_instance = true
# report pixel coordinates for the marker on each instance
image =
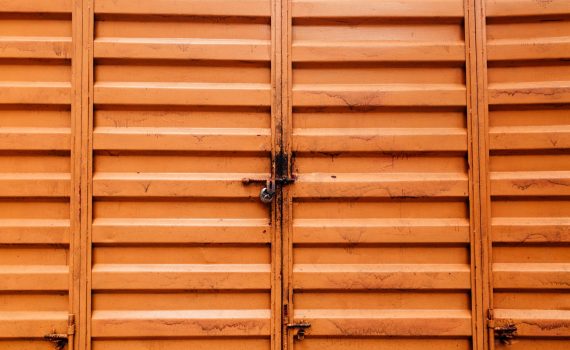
(84, 318)
(483, 128)
(286, 200)
(76, 205)
(277, 205)
(472, 85)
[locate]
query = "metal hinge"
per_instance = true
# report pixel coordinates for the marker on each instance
(505, 333)
(301, 327)
(59, 341)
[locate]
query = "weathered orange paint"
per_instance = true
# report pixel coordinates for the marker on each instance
(381, 236)
(526, 209)
(428, 141)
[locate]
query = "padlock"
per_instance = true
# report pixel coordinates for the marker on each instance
(268, 192)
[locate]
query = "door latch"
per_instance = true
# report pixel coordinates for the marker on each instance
(267, 193)
(300, 327)
(59, 341)
(280, 179)
(503, 333)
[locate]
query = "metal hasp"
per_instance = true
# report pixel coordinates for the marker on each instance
(267, 193)
(301, 327)
(504, 333)
(59, 341)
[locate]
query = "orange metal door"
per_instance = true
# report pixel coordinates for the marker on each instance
(381, 240)
(39, 197)
(421, 151)
(528, 171)
(182, 252)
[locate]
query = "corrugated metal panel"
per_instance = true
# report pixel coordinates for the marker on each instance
(381, 229)
(181, 249)
(529, 168)
(370, 105)
(37, 197)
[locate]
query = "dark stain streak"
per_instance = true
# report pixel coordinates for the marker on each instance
(523, 186)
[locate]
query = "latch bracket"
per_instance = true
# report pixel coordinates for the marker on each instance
(281, 179)
(301, 327)
(59, 340)
(505, 333)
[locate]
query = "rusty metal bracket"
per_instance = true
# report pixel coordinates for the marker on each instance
(504, 333)
(301, 327)
(250, 180)
(280, 179)
(59, 341)
(284, 181)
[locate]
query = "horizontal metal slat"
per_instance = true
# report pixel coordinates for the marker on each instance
(529, 93)
(181, 323)
(31, 324)
(382, 322)
(512, 8)
(385, 276)
(48, 93)
(35, 47)
(34, 231)
(537, 49)
(35, 185)
(183, 49)
(530, 183)
(531, 276)
(181, 231)
(35, 6)
(245, 8)
(181, 277)
(375, 9)
(34, 278)
(536, 323)
(379, 140)
(183, 94)
(530, 137)
(35, 139)
(396, 185)
(182, 139)
(531, 230)
(174, 185)
(329, 95)
(372, 231)
(313, 51)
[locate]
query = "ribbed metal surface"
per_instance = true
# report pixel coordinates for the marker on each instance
(529, 168)
(380, 209)
(425, 147)
(36, 170)
(181, 249)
